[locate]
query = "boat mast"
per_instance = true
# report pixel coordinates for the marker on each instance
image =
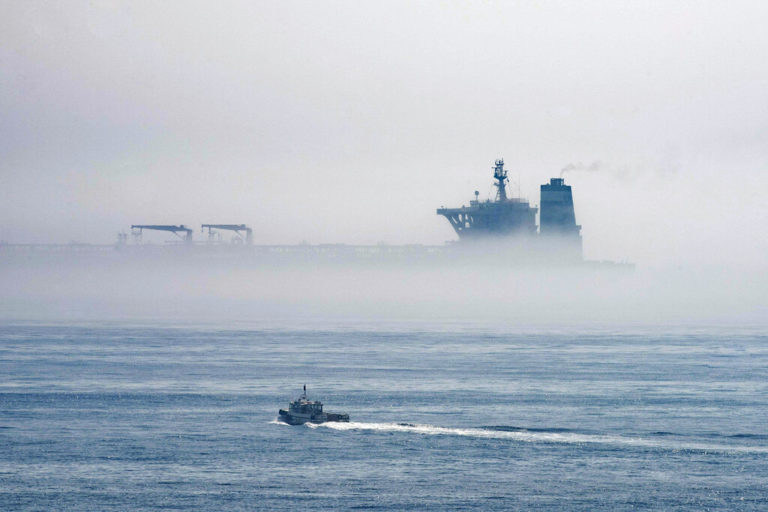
(500, 175)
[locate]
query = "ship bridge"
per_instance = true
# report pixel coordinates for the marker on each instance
(504, 216)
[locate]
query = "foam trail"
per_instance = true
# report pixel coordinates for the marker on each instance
(541, 437)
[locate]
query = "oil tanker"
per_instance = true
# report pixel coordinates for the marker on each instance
(500, 229)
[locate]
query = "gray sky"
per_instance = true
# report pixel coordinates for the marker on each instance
(352, 121)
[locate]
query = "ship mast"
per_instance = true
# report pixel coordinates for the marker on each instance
(500, 175)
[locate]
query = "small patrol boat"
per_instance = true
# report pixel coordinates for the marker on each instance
(302, 410)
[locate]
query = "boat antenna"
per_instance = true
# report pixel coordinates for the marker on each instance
(500, 175)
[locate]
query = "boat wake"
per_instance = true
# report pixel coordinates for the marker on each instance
(556, 436)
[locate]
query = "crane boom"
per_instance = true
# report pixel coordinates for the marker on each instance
(181, 228)
(237, 228)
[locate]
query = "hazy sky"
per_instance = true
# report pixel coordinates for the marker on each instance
(352, 121)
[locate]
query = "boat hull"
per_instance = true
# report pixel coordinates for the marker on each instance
(300, 419)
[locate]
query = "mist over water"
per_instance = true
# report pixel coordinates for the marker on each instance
(243, 288)
(352, 124)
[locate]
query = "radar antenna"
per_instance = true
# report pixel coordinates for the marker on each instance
(500, 175)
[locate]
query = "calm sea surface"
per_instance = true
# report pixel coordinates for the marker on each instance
(158, 418)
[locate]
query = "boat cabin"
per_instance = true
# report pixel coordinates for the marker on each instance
(304, 406)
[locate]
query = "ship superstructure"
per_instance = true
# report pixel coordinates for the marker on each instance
(503, 216)
(513, 220)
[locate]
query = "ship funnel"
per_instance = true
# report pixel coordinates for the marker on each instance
(557, 217)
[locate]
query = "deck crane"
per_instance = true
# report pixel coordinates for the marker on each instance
(239, 229)
(187, 236)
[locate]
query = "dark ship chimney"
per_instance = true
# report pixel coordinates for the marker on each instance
(557, 217)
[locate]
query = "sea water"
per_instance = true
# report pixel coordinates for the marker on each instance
(125, 417)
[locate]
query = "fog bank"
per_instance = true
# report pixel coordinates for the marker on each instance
(249, 293)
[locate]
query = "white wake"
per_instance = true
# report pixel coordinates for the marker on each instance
(539, 437)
